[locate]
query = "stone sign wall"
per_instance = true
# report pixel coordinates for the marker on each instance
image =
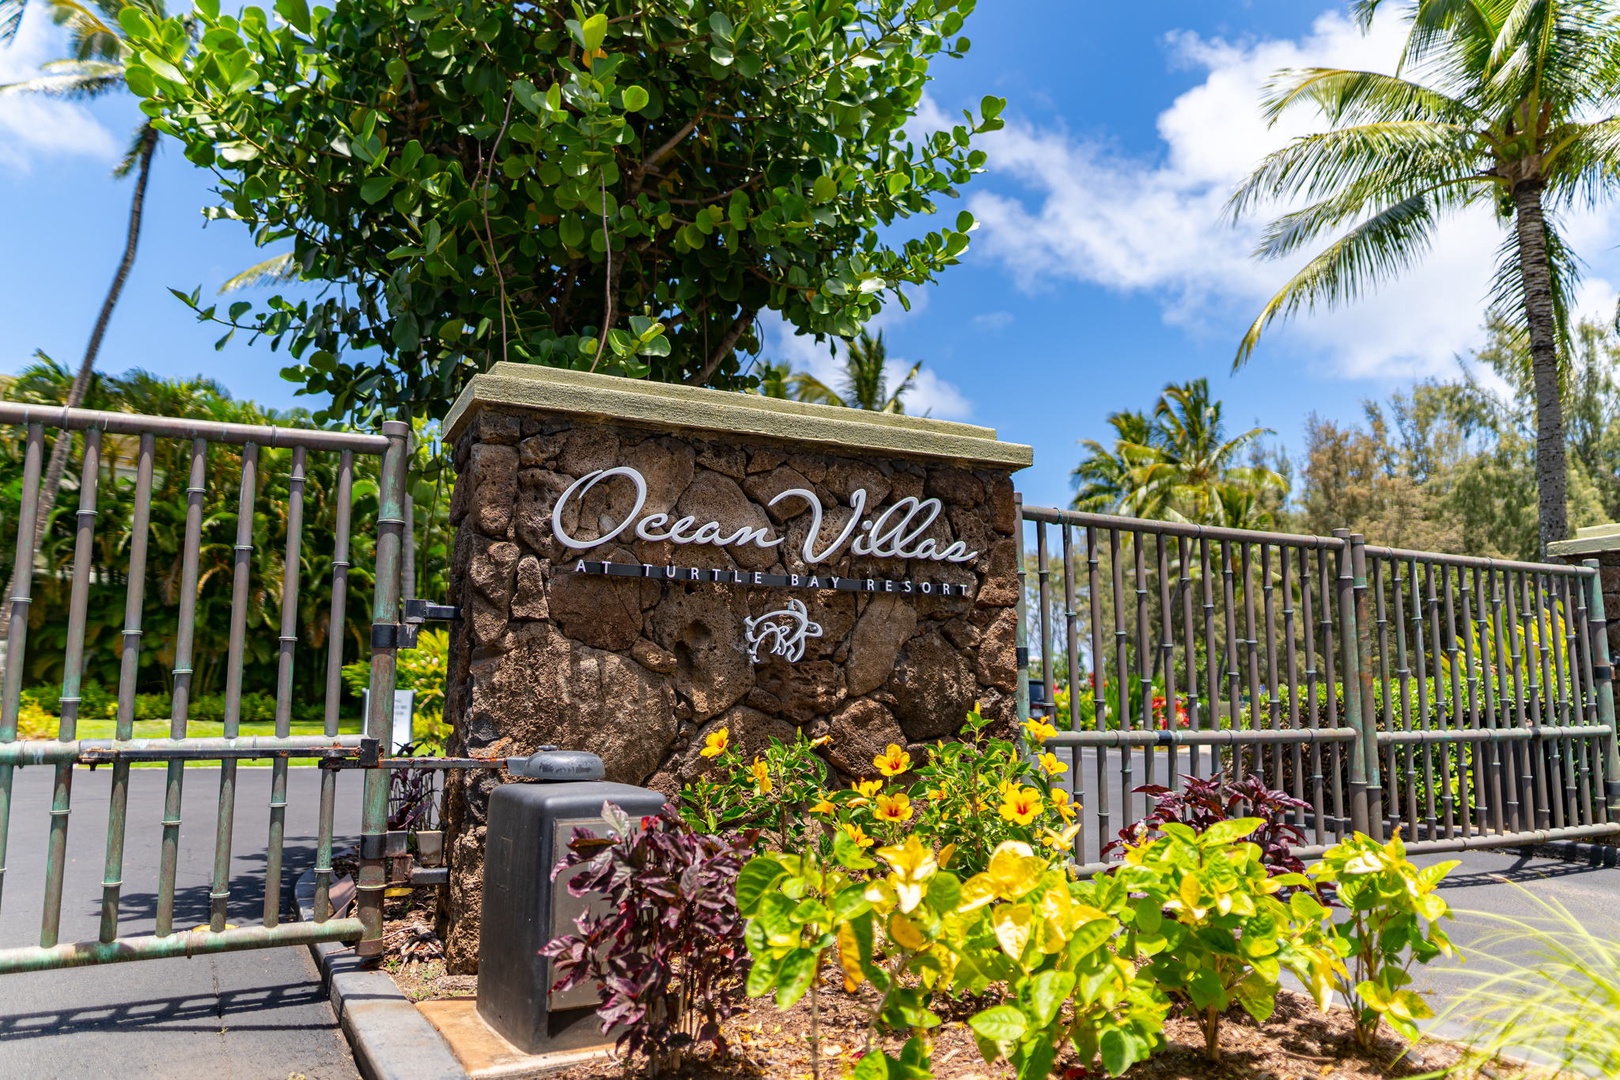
(767, 567)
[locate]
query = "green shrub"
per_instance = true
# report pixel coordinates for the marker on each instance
(1211, 929)
(1392, 920)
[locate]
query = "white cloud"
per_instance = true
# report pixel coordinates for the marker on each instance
(32, 126)
(1066, 208)
(994, 320)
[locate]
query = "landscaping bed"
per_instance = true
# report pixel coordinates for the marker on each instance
(1298, 1043)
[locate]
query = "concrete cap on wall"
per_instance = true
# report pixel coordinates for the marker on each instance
(670, 405)
(1588, 541)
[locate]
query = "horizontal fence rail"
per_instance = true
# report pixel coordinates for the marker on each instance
(1464, 701)
(118, 458)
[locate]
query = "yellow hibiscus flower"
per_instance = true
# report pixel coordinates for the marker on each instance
(1051, 765)
(1021, 805)
(858, 834)
(824, 806)
(1038, 731)
(715, 744)
(762, 776)
(893, 761)
(896, 807)
(1064, 806)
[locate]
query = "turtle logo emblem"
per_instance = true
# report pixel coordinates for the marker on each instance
(784, 630)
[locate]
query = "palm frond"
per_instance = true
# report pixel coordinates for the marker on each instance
(1507, 286)
(1367, 195)
(1582, 162)
(72, 80)
(275, 270)
(11, 13)
(1385, 243)
(806, 387)
(143, 144)
(1345, 95)
(1408, 155)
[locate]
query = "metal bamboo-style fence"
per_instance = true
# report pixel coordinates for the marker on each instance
(94, 431)
(1464, 701)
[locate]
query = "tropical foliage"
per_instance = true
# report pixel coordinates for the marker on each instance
(1449, 464)
(863, 384)
(1177, 463)
(1511, 104)
(668, 942)
(1056, 975)
(623, 188)
(46, 382)
(94, 67)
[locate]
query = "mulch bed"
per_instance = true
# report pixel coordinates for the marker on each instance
(1299, 1042)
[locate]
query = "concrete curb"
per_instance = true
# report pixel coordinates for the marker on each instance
(390, 1037)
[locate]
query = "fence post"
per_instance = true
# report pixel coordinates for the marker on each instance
(1021, 634)
(1364, 674)
(1356, 649)
(373, 878)
(1603, 679)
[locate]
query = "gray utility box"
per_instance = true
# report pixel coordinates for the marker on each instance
(529, 829)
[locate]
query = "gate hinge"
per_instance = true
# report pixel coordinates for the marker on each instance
(388, 635)
(422, 610)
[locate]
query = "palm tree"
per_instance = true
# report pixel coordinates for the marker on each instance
(1177, 464)
(1512, 103)
(774, 380)
(1109, 480)
(863, 385)
(94, 67)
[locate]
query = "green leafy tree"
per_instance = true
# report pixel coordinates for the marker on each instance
(624, 187)
(1511, 103)
(863, 384)
(93, 68)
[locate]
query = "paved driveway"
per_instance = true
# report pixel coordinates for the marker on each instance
(256, 1015)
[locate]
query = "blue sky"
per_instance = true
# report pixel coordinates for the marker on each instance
(1101, 270)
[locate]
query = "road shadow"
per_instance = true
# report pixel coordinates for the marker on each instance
(246, 886)
(232, 1009)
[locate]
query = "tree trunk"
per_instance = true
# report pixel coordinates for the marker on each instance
(81, 382)
(1552, 476)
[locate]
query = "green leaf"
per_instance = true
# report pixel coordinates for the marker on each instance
(754, 881)
(990, 107)
(1000, 1023)
(1035, 1059)
(1115, 1052)
(376, 188)
(1225, 832)
(296, 12)
(762, 976)
(874, 1066)
(798, 968)
(824, 189)
(635, 98)
(1045, 992)
(849, 854)
(593, 31)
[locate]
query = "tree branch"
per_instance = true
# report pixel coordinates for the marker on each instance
(728, 344)
(668, 148)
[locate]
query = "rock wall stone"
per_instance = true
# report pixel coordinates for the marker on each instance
(639, 671)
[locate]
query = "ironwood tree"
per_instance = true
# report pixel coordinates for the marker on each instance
(625, 187)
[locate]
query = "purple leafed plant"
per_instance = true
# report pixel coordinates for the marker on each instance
(1201, 803)
(668, 947)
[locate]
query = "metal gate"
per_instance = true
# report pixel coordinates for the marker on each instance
(136, 438)
(1466, 701)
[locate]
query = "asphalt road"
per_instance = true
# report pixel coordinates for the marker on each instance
(258, 1015)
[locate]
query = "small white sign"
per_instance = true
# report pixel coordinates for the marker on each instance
(404, 714)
